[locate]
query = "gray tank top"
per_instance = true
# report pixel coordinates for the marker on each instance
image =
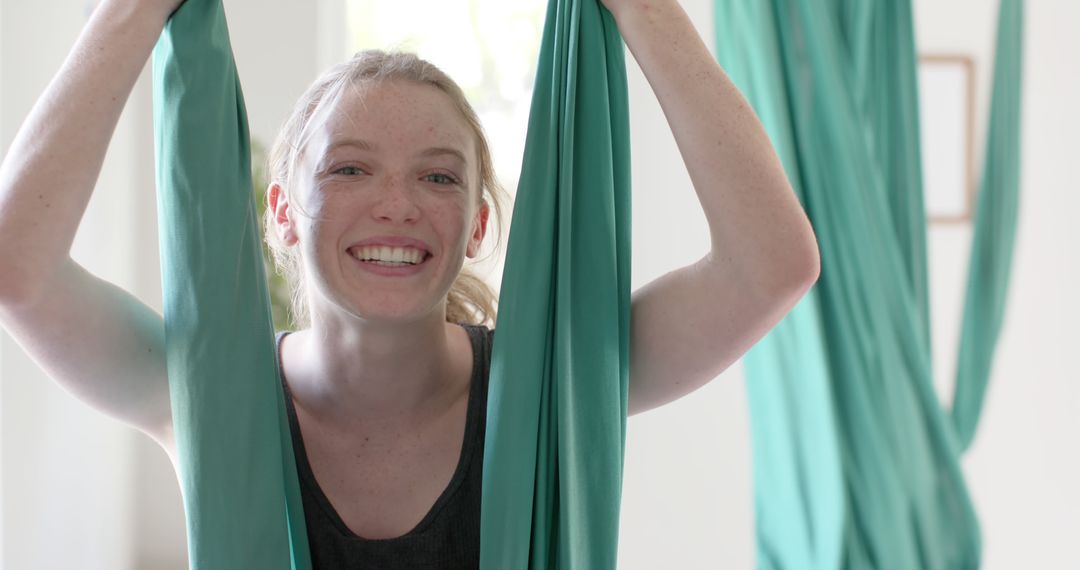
(448, 537)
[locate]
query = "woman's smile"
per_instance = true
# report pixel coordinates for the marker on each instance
(390, 261)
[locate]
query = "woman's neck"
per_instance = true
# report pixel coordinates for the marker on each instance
(376, 372)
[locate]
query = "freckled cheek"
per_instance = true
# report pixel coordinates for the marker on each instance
(334, 211)
(451, 219)
(322, 220)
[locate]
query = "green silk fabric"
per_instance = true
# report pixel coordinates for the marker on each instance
(995, 227)
(856, 464)
(236, 465)
(557, 403)
(560, 364)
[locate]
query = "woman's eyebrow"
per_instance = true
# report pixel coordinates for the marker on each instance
(358, 143)
(427, 153)
(442, 150)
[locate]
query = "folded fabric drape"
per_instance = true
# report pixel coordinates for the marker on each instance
(560, 364)
(856, 465)
(236, 465)
(557, 410)
(996, 214)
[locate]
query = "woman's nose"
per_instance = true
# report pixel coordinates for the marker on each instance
(395, 202)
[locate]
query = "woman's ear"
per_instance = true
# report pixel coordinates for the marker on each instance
(278, 202)
(479, 229)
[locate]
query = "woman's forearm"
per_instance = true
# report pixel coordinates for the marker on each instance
(50, 170)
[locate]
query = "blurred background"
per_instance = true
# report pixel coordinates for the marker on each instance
(79, 490)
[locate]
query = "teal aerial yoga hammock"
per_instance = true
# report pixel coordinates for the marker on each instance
(560, 368)
(856, 465)
(557, 406)
(237, 470)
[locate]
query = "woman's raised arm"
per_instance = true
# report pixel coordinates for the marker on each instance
(95, 339)
(691, 324)
(53, 163)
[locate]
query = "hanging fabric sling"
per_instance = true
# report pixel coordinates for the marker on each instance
(236, 465)
(856, 465)
(560, 364)
(557, 407)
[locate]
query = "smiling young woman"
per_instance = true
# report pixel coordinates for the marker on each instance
(382, 187)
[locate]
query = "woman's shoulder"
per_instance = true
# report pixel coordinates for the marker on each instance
(479, 332)
(479, 329)
(481, 337)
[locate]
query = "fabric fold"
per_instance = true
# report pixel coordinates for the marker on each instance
(236, 466)
(856, 464)
(559, 374)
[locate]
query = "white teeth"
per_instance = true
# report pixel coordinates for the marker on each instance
(384, 255)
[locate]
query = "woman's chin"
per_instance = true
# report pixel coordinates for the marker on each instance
(394, 307)
(390, 313)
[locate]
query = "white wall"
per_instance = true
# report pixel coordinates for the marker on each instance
(69, 472)
(687, 496)
(1023, 467)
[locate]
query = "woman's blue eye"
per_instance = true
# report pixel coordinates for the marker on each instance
(443, 178)
(349, 170)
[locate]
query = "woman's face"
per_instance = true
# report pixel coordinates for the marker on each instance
(389, 179)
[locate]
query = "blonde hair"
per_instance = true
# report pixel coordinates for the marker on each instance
(470, 299)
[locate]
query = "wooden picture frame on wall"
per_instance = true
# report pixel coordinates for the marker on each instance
(947, 127)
